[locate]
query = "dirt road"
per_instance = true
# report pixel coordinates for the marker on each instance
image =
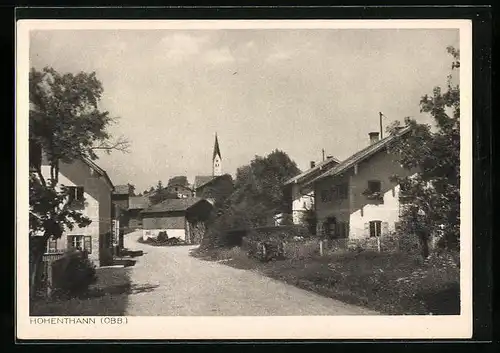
(172, 283)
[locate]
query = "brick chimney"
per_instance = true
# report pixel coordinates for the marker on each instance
(313, 164)
(374, 137)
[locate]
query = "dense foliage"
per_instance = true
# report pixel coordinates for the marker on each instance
(65, 123)
(258, 195)
(73, 274)
(433, 194)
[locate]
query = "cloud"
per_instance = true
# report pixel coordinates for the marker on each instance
(219, 56)
(178, 46)
(279, 56)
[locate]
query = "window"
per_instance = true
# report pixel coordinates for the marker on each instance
(375, 228)
(52, 246)
(374, 186)
(75, 194)
(80, 242)
(404, 189)
(342, 191)
(342, 230)
(326, 195)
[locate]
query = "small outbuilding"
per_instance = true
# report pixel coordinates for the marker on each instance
(179, 218)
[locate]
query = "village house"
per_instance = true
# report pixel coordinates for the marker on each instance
(299, 194)
(120, 199)
(357, 199)
(179, 190)
(136, 204)
(179, 218)
(90, 190)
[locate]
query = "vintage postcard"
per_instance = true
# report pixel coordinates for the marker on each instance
(260, 179)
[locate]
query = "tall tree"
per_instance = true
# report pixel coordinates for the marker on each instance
(160, 194)
(65, 123)
(131, 189)
(433, 194)
(179, 180)
(257, 196)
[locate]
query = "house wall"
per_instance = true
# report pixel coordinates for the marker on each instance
(302, 199)
(338, 208)
(135, 218)
(173, 223)
(97, 206)
(380, 166)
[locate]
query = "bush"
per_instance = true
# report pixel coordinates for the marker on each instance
(73, 274)
(162, 237)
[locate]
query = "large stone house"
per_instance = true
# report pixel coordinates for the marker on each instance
(357, 199)
(90, 190)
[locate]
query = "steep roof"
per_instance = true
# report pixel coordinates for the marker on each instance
(201, 180)
(99, 170)
(310, 172)
(138, 202)
(216, 148)
(171, 205)
(360, 156)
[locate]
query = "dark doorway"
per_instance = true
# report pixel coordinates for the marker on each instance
(329, 227)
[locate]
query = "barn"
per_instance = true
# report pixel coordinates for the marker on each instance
(180, 218)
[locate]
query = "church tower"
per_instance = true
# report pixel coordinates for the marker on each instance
(216, 159)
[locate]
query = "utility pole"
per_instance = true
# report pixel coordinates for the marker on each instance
(323, 152)
(381, 133)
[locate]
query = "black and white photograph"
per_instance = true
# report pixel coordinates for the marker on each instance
(219, 175)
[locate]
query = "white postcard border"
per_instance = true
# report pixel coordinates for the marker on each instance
(271, 327)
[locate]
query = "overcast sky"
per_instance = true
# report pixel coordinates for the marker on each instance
(294, 90)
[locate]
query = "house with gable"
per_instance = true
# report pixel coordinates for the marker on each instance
(298, 191)
(180, 218)
(90, 190)
(356, 199)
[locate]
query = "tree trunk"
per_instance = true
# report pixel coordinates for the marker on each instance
(37, 249)
(424, 244)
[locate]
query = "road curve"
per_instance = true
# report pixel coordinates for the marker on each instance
(167, 281)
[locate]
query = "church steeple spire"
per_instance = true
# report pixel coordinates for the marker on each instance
(216, 159)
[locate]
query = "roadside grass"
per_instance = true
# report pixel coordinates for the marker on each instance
(107, 297)
(391, 283)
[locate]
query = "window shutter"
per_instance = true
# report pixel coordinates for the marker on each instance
(366, 232)
(385, 228)
(87, 245)
(71, 194)
(79, 193)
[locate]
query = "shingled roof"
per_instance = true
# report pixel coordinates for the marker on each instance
(201, 180)
(98, 170)
(315, 170)
(359, 156)
(172, 205)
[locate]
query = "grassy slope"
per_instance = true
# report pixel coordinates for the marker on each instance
(392, 283)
